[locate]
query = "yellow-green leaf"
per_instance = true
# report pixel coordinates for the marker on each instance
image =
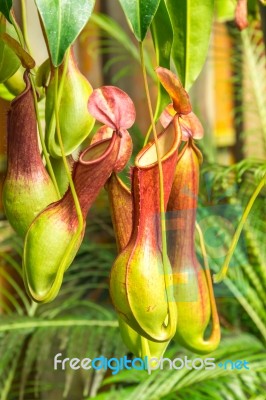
(162, 41)
(26, 60)
(192, 23)
(9, 62)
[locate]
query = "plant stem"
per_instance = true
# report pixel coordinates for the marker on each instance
(60, 141)
(17, 29)
(52, 124)
(33, 308)
(147, 136)
(24, 25)
(222, 273)
(161, 182)
(41, 136)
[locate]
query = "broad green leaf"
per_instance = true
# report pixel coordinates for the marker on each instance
(140, 14)
(225, 10)
(162, 41)
(5, 7)
(63, 20)
(9, 62)
(26, 60)
(192, 23)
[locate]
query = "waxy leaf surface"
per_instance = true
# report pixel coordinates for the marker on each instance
(192, 23)
(140, 14)
(5, 7)
(162, 41)
(63, 20)
(9, 62)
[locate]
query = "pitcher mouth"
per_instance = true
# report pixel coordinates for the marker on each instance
(168, 140)
(104, 148)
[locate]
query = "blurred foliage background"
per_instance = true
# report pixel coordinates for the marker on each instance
(230, 99)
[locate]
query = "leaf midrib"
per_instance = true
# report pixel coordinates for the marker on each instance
(188, 4)
(33, 324)
(59, 29)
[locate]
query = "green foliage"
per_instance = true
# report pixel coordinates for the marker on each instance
(63, 21)
(77, 324)
(162, 40)
(197, 384)
(74, 324)
(140, 14)
(9, 61)
(118, 43)
(81, 322)
(192, 23)
(224, 10)
(218, 214)
(5, 7)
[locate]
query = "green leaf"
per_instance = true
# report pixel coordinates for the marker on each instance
(9, 62)
(162, 41)
(5, 7)
(140, 14)
(6, 95)
(43, 73)
(225, 10)
(192, 22)
(26, 60)
(63, 21)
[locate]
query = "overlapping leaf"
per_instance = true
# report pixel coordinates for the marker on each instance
(162, 41)
(140, 14)
(192, 22)
(63, 21)
(5, 7)
(9, 62)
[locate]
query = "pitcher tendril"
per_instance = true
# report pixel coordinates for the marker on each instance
(222, 273)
